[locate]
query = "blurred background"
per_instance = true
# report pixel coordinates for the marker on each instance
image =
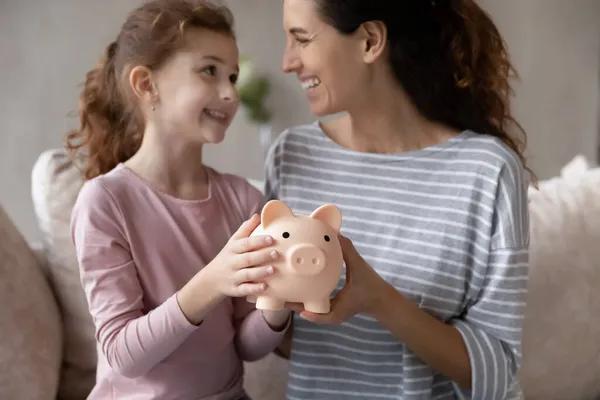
(47, 47)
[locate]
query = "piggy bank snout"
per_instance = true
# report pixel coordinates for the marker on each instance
(306, 259)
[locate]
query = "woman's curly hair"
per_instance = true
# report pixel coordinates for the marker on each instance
(449, 57)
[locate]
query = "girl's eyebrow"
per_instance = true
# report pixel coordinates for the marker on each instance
(218, 59)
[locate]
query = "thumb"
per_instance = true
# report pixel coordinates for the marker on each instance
(349, 252)
(247, 227)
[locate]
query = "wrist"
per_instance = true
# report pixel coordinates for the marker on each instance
(197, 298)
(277, 320)
(387, 299)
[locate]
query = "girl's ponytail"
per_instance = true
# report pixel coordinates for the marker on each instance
(105, 124)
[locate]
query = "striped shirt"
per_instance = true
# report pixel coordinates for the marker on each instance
(447, 226)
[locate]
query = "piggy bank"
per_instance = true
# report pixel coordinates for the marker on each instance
(310, 257)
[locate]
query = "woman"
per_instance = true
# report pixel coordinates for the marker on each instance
(431, 184)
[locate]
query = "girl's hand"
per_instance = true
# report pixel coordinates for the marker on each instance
(231, 273)
(361, 294)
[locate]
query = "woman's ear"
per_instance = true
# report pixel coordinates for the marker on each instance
(374, 39)
(140, 80)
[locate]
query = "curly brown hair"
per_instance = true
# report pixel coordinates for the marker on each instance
(449, 57)
(111, 128)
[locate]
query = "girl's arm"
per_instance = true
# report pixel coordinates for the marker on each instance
(258, 332)
(132, 342)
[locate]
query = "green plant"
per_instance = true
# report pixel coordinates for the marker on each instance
(253, 89)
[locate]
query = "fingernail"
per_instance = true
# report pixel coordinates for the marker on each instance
(273, 254)
(270, 270)
(268, 239)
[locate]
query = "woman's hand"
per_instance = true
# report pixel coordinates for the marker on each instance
(361, 294)
(438, 344)
(233, 272)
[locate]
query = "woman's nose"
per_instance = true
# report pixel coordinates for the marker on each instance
(289, 62)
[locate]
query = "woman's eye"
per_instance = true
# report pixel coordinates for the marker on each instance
(302, 41)
(233, 79)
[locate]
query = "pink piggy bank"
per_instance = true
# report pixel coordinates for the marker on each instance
(310, 261)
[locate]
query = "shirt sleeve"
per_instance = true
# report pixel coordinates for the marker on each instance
(132, 341)
(491, 328)
(255, 338)
(492, 322)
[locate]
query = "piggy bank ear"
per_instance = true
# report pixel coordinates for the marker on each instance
(273, 210)
(329, 214)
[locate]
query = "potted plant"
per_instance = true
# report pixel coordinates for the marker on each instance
(253, 89)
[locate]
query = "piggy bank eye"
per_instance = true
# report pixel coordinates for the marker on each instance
(286, 235)
(327, 238)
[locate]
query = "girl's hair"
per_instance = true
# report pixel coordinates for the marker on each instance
(111, 128)
(447, 55)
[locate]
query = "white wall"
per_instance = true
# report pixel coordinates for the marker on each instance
(555, 45)
(46, 49)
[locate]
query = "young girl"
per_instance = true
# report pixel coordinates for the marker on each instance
(162, 240)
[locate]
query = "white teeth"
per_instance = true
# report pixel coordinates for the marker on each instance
(216, 114)
(311, 83)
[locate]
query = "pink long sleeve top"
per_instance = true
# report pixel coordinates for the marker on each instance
(136, 247)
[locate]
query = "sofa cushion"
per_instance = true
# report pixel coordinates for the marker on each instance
(30, 328)
(561, 342)
(55, 185)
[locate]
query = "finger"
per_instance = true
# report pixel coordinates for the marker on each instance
(259, 257)
(249, 289)
(349, 252)
(350, 255)
(253, 274)
(247, 227)
(336, 315)
(297, 307)
(252, 243)
(318, 318)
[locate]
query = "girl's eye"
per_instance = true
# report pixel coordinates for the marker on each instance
(233, 78)
(210, 70)
(302, 41)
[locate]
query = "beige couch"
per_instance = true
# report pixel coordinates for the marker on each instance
(47, 348)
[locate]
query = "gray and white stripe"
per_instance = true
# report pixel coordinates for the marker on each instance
(448, 227)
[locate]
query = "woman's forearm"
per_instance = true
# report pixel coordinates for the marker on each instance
(438, 344)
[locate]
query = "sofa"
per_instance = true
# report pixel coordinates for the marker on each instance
(47, 345)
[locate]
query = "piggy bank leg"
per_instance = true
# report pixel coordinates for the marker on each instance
(269, 303)
(318, 306)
